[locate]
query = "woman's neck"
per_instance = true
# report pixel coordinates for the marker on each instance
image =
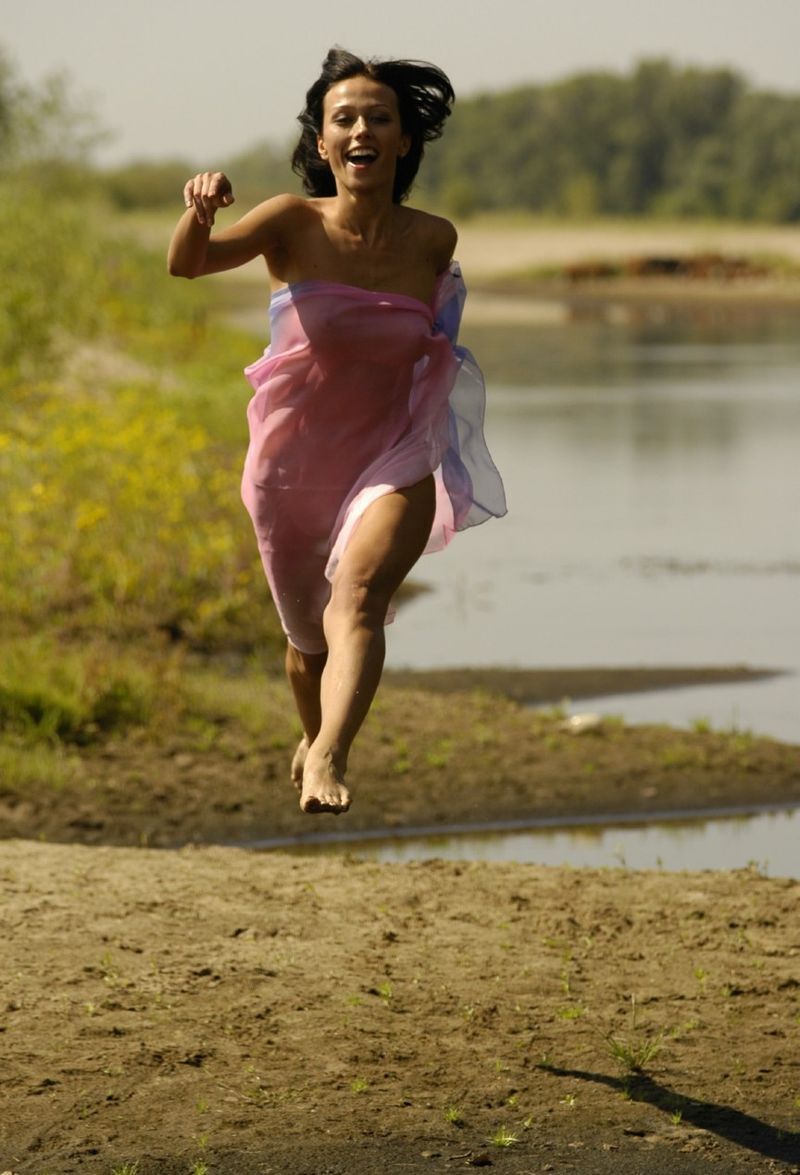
(368, 218)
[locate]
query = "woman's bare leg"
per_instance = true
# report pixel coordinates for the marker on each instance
(304, 671)
(385, 546)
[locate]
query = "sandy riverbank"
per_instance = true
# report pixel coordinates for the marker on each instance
(217, 1011)
(489, 247)
(211, 1011)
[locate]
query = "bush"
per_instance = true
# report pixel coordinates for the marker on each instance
(123, 516)
(49, 693)
(48, 258)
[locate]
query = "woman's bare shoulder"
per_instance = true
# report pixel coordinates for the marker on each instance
(430, 223)
(438, 235)
(285, 208)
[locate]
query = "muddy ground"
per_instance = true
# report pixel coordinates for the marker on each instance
(210, 1010)
(464, 749)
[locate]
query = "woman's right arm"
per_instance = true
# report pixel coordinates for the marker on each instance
(193, 252)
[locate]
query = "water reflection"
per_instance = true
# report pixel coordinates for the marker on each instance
(658, 416)
(594, 350)
(767, 842)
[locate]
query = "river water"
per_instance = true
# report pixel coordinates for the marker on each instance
(653, 481)
(653, 478)
(762, 840)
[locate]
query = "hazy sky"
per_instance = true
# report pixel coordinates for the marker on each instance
(203, 79)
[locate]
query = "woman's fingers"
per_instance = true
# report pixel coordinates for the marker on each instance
(208, 191)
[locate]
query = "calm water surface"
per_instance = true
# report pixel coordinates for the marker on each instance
(766, 841)
(653, 482)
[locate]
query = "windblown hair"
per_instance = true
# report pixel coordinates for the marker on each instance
(424, 99)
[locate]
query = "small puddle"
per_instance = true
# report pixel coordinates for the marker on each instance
(765, 837)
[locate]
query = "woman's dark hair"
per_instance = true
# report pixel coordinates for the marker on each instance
(424, 100)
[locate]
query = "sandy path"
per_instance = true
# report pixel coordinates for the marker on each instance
(268, 1014)
(485, 249)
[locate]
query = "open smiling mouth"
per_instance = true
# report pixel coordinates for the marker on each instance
(361, 158)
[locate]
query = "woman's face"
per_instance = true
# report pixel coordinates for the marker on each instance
(362, 136)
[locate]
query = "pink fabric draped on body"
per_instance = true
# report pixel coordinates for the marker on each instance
(355, 397)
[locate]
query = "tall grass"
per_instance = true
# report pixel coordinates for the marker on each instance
(120, 482)
(53, 693)
(123, 541)
(48, 259)
(123, 516)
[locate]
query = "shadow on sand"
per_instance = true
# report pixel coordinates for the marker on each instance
(727, 1123)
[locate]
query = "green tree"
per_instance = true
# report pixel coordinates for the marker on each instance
(46, 254)
(686, 141)
(261, 171)
(145, 183)
(763, 180)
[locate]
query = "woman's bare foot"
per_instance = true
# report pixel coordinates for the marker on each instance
(299, 762)
(323, 787)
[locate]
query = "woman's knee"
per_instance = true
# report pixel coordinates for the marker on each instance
(308, 665)
(361, 599)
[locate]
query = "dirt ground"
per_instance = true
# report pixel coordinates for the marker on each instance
(213, 1011)
(439, 748)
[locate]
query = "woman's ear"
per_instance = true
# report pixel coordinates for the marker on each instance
(405, 146)
(321, 148)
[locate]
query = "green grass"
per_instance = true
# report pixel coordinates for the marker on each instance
(142, 531)
(454, 1116)
(120, 471)
(502, 1137)
(634, 1056)
(23, 766)
(440, 754)
(571, 1012)
(54, 693)
(59, 700)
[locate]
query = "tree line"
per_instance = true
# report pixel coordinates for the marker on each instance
(662, 140)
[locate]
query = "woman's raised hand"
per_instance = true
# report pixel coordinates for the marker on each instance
(208, 191)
